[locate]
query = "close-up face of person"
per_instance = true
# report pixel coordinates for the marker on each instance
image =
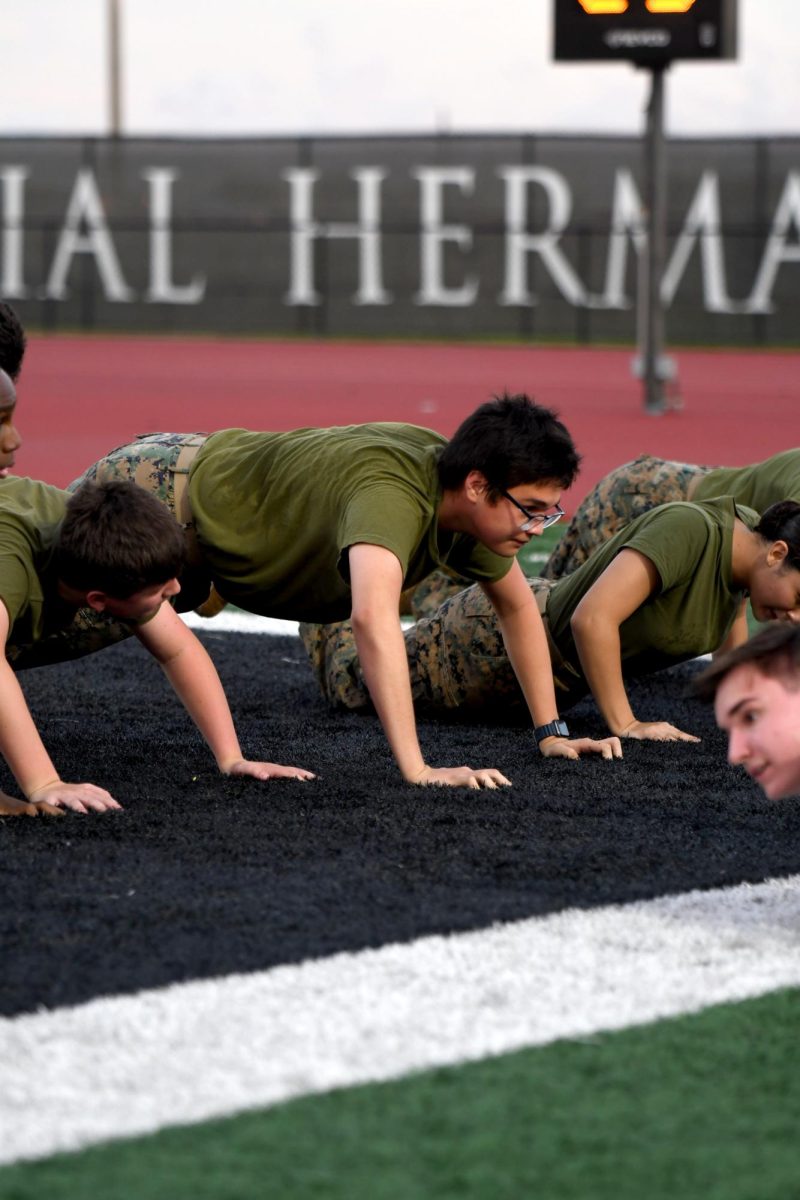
(775, 593)
(142, 604)
(499, 523)
(10, 441)
(761, 716)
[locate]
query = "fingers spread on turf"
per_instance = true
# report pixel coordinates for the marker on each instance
(656, 731)
(48, 810)
(267, 770)
(11, 807)
(461, 777)
(609, 747)
(79, 797)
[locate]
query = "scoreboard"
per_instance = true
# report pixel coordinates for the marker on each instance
(647, 32)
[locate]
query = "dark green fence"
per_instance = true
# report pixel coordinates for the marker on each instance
(458, 236)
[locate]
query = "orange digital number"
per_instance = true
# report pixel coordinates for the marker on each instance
(595, 7)
(603, 6)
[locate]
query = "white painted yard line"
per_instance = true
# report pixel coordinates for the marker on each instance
(234, 621)
(134, 1064)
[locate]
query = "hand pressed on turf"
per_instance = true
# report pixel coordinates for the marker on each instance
(656, 731)
(461, 777)
(79, 797)
(10, 807)
(267, 770)
(556, 747)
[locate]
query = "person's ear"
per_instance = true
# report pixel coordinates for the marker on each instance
(777, 554)
(96, 600)
(475, 485)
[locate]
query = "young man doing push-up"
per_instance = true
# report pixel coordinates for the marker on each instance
(323, 524)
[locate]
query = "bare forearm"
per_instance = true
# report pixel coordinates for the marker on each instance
(381, 651)
(20, 743)
(197, 684)
(598, 646)
(525, 641)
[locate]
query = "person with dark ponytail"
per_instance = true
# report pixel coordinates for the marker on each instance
(669, 587)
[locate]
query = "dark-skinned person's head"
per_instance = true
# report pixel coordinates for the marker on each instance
(12, 341)
(10, 440)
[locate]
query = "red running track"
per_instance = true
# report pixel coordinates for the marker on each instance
(81, 396)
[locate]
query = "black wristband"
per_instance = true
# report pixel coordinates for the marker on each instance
(557, 728)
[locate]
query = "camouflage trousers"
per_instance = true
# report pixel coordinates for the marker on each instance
(456, 658)
(427, 597)
(623, 494)
(151, 461)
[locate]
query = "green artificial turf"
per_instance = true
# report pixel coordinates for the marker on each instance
(697, 1108)
(533, 556)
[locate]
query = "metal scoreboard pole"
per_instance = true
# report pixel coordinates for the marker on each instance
(114, 69)
(651, 34)
(653, 365)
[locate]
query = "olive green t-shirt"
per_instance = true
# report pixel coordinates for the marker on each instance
(690, 545)
(759, 485)
(276, 512)
(30, 517)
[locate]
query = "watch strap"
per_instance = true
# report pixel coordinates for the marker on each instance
(557, 728)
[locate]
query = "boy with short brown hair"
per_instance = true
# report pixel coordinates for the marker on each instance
(114, 549)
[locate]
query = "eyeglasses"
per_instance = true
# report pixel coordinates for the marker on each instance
(534, 520)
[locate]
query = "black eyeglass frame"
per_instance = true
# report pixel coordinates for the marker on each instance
(544, 520)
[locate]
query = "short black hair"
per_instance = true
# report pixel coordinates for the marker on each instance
(12, 341)
(511, 441)
(774, 651)
(118, 538)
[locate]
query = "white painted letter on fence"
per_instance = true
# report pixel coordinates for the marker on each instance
(434, 235)
(86, 209)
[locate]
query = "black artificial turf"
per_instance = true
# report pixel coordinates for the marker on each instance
(202, 875)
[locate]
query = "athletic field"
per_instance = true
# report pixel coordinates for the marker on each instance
(582, 987)
(81, 396)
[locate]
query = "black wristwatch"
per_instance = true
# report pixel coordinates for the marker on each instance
(551, 729)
